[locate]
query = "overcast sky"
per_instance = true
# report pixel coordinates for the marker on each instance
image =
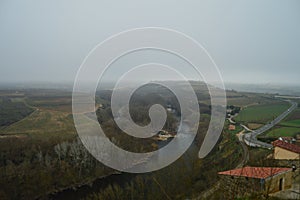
(251, 42)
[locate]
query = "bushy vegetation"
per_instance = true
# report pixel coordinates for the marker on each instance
(32, 170)
(188, 177)
(233, 110)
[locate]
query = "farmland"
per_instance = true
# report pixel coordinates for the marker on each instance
(283, 132)
(38, 114)
(293, 120)
(289, 127)
(254, 126)
(292, 123)
(261, 113)
(43, 124)
(256, 115)
(245, 99)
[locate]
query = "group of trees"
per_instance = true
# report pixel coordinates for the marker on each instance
(11, 112)
(233, 110)
(36, 170)
(139, 110)
(188, 177)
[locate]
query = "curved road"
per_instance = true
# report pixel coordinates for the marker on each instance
(250, 138)
(245, 159)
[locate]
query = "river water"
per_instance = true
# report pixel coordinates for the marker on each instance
(119, 179)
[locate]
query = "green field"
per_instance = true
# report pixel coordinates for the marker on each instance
(43, 123)
(289, 127)
(261, 113)
(242, 99)
(293, 123)
(283, 132)
(295, 115)
(61, 103)
(292, 120)
(38, 114)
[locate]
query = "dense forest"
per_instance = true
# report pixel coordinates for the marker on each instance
(12, 111)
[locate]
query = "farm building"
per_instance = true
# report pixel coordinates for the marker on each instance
(287, 139)
(249, 180)
(231, 127)
(286, 151)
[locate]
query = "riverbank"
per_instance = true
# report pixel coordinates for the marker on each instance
(81, 191)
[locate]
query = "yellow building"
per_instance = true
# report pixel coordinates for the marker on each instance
(286, 151)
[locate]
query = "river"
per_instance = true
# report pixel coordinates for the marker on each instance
(119, 179)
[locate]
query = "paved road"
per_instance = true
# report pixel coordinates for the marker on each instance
(250, 138)
(245, 149)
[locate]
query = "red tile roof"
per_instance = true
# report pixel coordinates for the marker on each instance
(255, 172)
(287, 146)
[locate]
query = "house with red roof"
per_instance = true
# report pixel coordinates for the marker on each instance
(285, 150)
(250, 180)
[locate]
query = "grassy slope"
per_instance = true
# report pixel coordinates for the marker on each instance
(51, 116)
(42, 123)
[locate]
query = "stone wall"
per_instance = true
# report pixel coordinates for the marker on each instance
(280, 153)
(273, 183)
(234, 187)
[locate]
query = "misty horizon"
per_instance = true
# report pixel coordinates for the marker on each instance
(251, 42)
(271, 88)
